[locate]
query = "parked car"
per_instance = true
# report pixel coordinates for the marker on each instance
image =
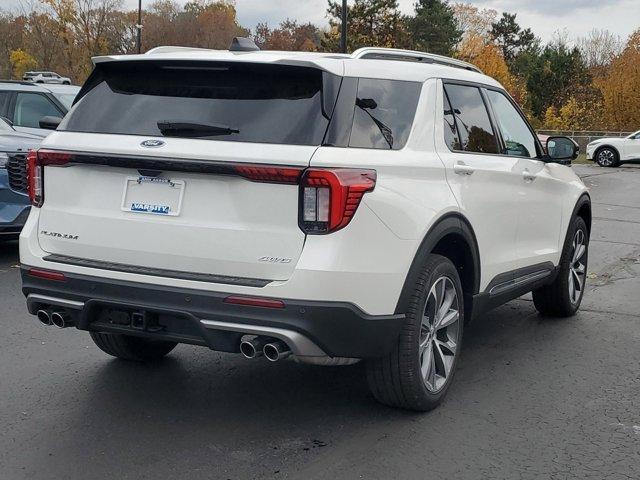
(331, 208)
(14, 202)
(34, 108)
(46, 77)
(614, 151)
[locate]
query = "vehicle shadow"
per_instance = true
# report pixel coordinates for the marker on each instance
(218, 413)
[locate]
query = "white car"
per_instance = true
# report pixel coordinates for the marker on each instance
(331, 208)
(614, 151)
(46, 77)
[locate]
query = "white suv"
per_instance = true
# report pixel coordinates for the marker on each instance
(329, 207)
(46, 77)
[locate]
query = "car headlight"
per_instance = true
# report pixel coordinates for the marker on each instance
(4, 158)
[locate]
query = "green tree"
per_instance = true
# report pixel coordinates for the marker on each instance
(553, 76)
(434, 28)
(376, 23)
(511, 38)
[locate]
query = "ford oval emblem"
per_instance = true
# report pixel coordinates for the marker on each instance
(152, 143)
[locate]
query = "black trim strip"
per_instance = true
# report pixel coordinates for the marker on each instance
(157, 272)
(162, 163)
(513, 279)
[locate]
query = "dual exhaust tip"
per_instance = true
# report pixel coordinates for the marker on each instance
(272, 349)
(60, 319)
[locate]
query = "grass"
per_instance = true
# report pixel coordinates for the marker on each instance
(582, 160)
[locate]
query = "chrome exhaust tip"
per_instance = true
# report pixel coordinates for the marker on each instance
(61, 319)
(251, 346)
(44, 317)
(277, 350)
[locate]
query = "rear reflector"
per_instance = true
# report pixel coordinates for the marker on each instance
(47, 274)
(330, 197)
(254, 301)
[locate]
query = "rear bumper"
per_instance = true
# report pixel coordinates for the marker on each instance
(310, 328)
(14, 208)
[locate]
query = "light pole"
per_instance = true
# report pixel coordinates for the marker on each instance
(343, 28)
(139, 27)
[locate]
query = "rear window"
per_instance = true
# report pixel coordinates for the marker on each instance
(227, 101)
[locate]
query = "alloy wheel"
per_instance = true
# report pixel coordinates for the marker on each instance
(577, 267)
(439, 332)
(606, 157)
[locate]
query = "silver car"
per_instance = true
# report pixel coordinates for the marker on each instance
(46, 77)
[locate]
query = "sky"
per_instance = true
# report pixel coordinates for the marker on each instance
(545, 17)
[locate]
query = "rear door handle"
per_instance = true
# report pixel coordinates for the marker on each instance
(462, 169)
(528, 176)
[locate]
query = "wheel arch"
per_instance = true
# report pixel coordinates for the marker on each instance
(583, 209)
(451, 236)
(606, 145)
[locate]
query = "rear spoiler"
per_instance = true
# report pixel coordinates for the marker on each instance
(334, 65)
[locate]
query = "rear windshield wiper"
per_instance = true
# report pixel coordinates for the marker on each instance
(178, 128)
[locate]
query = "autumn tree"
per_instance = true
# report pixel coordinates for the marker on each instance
(289, 36)
(21, 62)
(599, 48)
(620, 88)
(11, 39)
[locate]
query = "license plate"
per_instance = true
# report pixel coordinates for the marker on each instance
(153, 195)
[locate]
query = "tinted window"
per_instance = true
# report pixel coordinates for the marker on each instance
(220, 101)
(518, 139)
(384, 113)
(474, 127)
(450, 130)
(4, 103)
(31, 107)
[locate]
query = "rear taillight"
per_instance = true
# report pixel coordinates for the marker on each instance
(329, 198)
(270, 174)
(36, 161)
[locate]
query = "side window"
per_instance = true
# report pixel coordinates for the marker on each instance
(518, 139)
(5, 97)
(31, 107)
(450, 130)
(384, 113)
(472, 119)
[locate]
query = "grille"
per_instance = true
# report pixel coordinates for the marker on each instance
(17, 169)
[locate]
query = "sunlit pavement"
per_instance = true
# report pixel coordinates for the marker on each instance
(533, 398)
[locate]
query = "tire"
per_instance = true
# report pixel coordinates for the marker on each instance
(66, 83)
(562, 297)
(397, 379)
(607, 157)
(132, 348)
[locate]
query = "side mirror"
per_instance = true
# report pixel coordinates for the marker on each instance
(50, 122)
(562, 150)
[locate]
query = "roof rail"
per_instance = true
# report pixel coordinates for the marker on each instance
(19, 82)
(377, 53)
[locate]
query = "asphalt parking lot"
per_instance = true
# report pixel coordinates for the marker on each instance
(533, 398)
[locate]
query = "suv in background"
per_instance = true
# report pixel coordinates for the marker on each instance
(331, 208)
(35, 109)
(46, 77)
(14, 202)
(614, 151)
